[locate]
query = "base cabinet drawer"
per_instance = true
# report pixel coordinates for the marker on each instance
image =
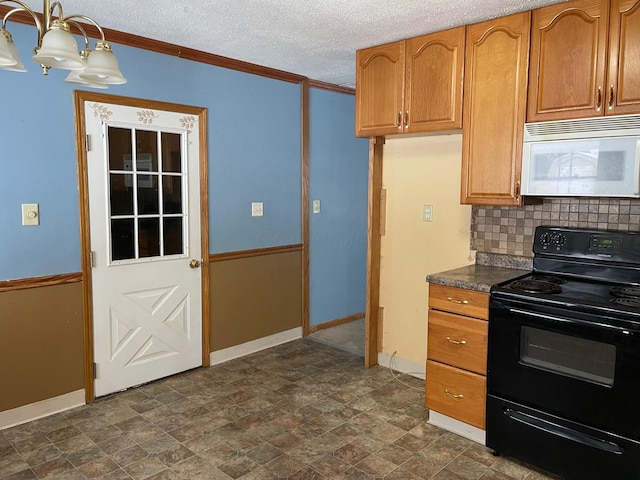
(458, 341)
(459, 300)
(456, 393)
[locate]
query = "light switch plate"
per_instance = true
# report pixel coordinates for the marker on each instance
(316, 206)
(30, 214)
(257, 209)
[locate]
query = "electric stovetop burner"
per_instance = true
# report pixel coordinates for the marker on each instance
(535, 285)
(546, 277)
(627, 301)
(629, 296)
(631, 291)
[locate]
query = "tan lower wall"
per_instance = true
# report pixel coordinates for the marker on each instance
(41, 344)
(255, 297)
(41, 329)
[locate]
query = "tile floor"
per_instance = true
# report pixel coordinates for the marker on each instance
(348, 336)
(302, 410)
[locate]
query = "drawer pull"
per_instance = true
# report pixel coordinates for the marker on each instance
(456, 342)
(453, 395)
(460, 302)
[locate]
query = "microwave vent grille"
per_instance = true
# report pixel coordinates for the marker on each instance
(616, 125)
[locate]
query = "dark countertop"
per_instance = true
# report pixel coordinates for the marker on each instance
(488, 270)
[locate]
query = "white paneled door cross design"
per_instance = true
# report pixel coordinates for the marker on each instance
(144, 210)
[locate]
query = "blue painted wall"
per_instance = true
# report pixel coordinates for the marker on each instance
(338, 165)
(254, 154)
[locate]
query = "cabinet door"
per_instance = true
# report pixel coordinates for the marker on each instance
(568, 55)
(379, 90)
(434, 76)
(623, 95)
(495, 86)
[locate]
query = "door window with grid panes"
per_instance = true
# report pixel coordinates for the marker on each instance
(147, 211)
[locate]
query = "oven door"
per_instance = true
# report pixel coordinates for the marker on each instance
(575, 365)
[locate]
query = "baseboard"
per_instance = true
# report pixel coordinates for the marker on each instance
(458, 427)
(43, 408)
(237, 351)
(336, 322)
(401, 365)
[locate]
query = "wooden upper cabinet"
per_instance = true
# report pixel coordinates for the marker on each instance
(433, 81)
(411, 86)
(379, 89)
(585, 60)
(495, 98)
(624, 58)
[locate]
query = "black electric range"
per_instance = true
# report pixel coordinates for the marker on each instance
(563, 368)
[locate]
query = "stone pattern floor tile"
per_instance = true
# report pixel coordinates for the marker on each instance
(298, 411)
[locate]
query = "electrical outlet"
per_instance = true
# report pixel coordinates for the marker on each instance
(316, 206)
(427, 213)
(257, 209)
(30, 214)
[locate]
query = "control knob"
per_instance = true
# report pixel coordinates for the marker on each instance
(545, 239)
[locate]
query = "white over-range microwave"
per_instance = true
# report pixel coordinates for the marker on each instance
(596, 157)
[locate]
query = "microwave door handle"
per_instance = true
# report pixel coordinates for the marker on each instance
(575, 321)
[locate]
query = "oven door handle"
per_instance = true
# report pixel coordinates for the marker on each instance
(553, 318)
(564, 432)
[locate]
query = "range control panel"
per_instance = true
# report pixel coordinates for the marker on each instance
(608, 255)
(583, 243)
(605, 244)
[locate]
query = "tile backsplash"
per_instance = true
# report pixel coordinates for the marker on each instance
(509, 230)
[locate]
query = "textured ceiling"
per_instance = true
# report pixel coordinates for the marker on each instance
(314, 38)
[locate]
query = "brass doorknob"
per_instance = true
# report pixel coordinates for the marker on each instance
(194, 263)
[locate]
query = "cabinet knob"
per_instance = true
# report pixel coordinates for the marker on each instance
(406, 119)
(399, 121)
(456, 342)
(599, 99)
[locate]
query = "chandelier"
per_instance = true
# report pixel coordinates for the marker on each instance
(57, 47)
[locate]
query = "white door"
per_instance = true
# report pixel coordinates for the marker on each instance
(144, 210)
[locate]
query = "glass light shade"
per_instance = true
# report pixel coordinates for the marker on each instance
(18, 67)
(102, 67)
(74, 77)
(59, 49)
(6, 57)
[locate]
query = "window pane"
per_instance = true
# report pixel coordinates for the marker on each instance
(122, 239)
(171, 153)
(148, 203)
(147, 151)
(119, 148)
(121, 194)
(149, 237)
(173, 236)
(172, 194)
